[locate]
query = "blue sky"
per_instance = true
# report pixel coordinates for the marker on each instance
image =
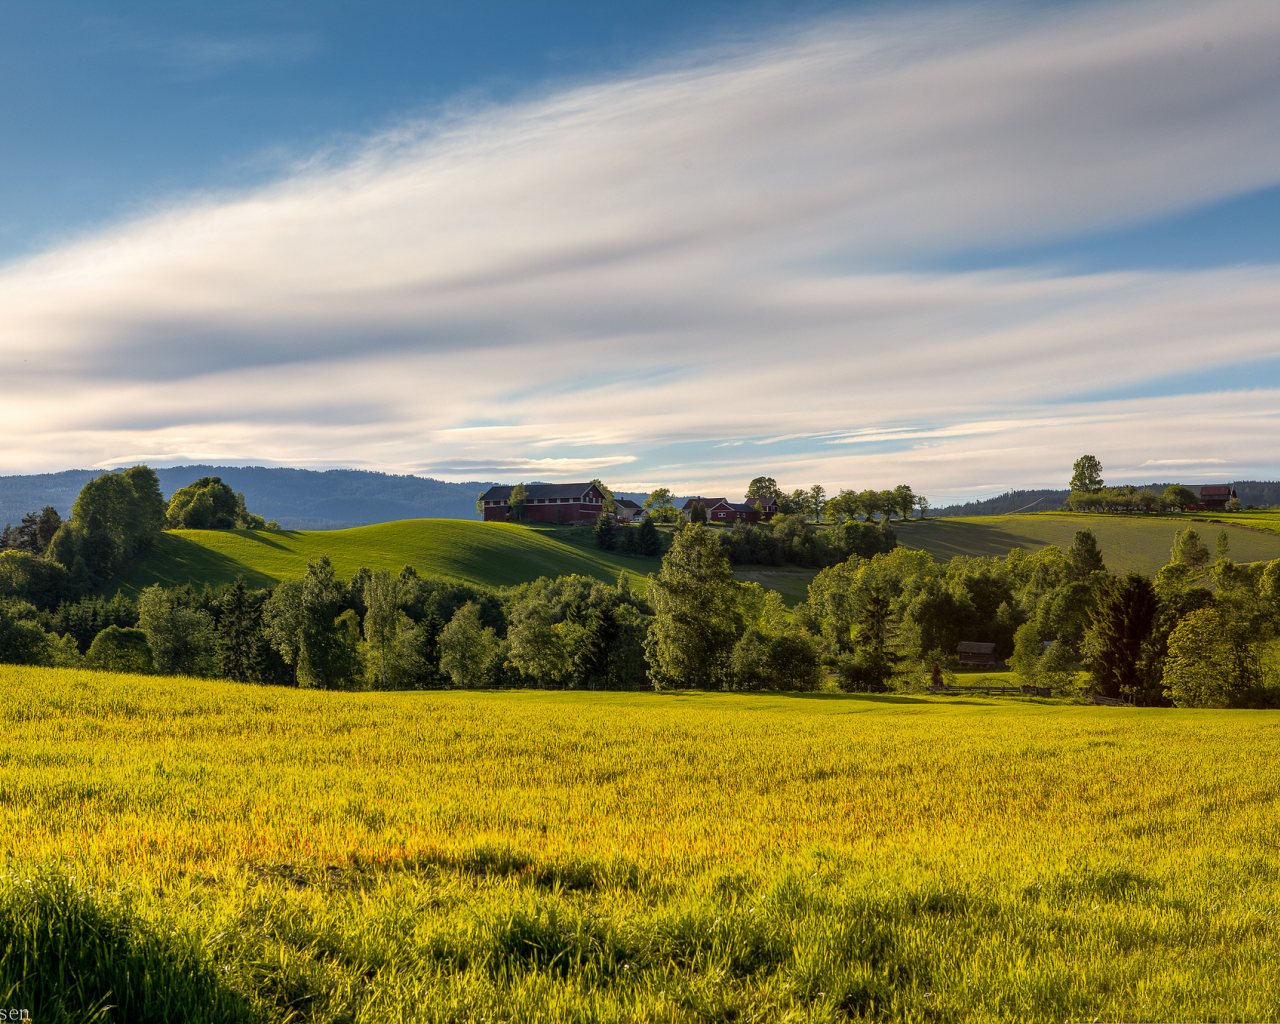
(946, 244)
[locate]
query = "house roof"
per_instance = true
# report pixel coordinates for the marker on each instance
(972, 647)
(626, 503)
(575, 491)
(1216, 491)
(705, 502)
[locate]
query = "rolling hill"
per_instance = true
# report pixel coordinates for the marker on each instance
(492, 554)
(1127, 542)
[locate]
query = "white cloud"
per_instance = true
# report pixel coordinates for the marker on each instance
(636, 272)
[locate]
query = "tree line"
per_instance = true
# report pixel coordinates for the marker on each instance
(1202, 634)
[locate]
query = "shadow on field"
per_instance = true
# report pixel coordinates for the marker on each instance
(256, 535)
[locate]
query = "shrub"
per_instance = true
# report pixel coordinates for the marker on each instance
(120, 650)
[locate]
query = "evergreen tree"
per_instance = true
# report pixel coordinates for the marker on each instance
(1118, 646)
(648, 539)
(239, 636)
(606, 537)
(1083, 557)
(697, 512)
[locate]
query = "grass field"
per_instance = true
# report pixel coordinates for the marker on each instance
(1128, 542)
(527, 856)
(493, 554)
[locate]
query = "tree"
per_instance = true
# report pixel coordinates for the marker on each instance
(1214, 662)
(1117, 646)
(182, 639)
(661, 506)
(120, 650)
(844, 505)
(904, 500)
(324, 655)
(648, 540)
(1222, 550)
(795, 503)
(872, 503)
(762, 488)
(595, 659)
(22, 640)
(516, 502)
(1083, 557)
(480, 504)
(1189, 549)
(1087, 474)
(282, 622)
(605, 533)
(815, 501)
(382, 601)
(695, 598)
(1027, 651)
(697, 512)
(207, 504)
(467, 648)
(239, 636)
(537, 647)
(1180, 497)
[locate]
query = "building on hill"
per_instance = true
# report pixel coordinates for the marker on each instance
(972, 653)
(720, 510)
(1214, 497)
(547, 503)
(627, 511)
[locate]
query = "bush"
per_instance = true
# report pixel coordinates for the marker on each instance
(866, 671)
(120, 650)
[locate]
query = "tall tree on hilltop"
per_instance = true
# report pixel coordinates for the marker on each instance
(1086, 474)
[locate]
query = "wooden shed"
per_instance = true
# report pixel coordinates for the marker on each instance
(972, 653)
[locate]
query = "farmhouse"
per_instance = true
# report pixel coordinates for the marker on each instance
(547, 503)
(720, 510)
(1214, 497)
(971, 653)
(626, 510)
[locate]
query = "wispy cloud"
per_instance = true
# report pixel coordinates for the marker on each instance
(697, 257)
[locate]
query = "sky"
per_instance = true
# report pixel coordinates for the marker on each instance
(664, 244)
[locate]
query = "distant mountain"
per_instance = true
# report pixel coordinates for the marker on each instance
(298, 499)
(1251, 492)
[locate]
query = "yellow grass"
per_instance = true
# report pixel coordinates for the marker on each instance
(1018, 860)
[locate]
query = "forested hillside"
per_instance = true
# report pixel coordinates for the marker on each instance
(298, 499)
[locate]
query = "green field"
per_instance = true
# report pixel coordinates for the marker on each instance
(1137, 543)
(460, 856)
(492, 554)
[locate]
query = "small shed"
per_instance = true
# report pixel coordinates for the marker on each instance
(972, 653)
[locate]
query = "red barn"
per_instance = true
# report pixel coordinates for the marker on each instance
(547, 503)
(1214, 497)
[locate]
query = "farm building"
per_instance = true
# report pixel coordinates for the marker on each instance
(720, 510)
(972, 653)
(626, 510)
(547, 503)
(1214, 497)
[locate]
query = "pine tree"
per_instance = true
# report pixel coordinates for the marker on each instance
(238, 636)
(649, 541)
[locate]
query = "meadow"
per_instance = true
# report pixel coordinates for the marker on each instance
(491, 554)
(1138, 543)
(230, 852)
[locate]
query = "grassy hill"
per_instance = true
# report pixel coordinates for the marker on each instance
(1127, 542)
(493, 554)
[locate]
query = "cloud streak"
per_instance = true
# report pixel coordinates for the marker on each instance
(636, 275)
